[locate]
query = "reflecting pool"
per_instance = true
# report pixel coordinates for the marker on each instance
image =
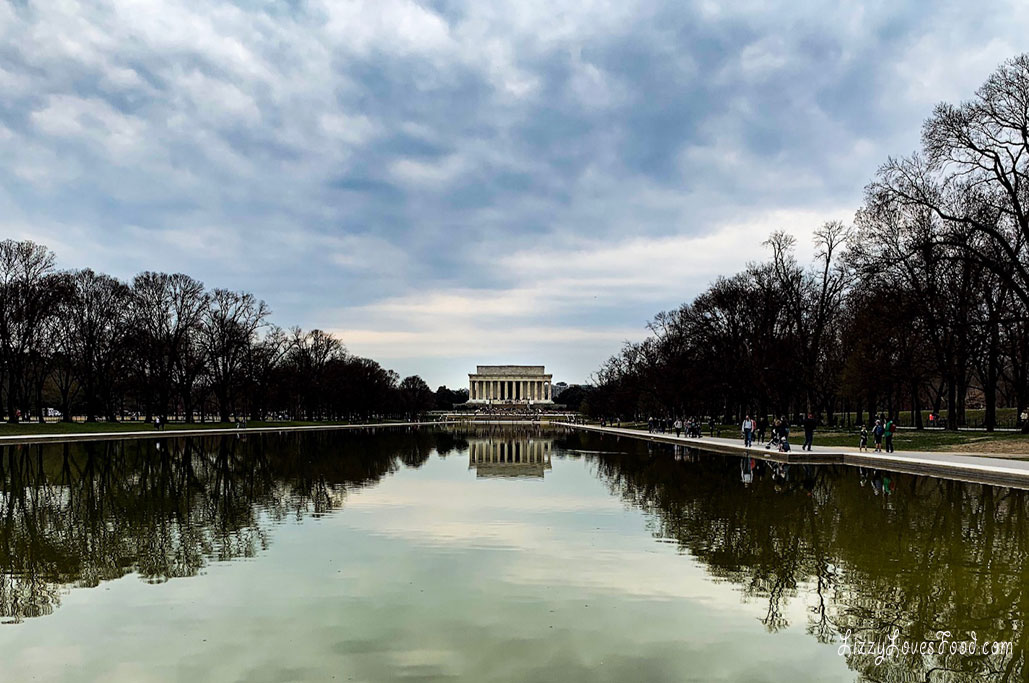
(495, 554)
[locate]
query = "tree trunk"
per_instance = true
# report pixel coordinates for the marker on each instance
(962, 394)
(39, 402)
(12, 400)
(223, 404)
(916, 406)
(91, 410)
(952, 405)
(991, 379)
(66, 404)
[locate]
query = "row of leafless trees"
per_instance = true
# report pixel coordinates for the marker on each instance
(88, 344)
(921, 304)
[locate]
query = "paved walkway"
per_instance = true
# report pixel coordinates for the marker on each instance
(200, 431)
(981, 469)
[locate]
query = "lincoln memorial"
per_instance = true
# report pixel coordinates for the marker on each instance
(509, 384)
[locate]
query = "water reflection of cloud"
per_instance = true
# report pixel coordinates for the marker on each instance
(553, 548)
(459, 495)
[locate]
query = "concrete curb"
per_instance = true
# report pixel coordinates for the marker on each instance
(956, 466)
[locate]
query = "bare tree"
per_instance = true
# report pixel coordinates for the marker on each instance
(96, 320)
(166, 314)
(30, 289)
(228, 332)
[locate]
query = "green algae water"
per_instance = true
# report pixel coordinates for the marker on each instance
(496, 554)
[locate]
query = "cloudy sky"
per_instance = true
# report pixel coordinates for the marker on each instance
(446, 183)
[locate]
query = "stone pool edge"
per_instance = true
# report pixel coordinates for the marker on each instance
(979, 469)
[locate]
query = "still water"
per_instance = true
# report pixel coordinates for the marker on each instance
(492, 555)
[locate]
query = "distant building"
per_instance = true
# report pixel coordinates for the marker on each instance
(510, 384)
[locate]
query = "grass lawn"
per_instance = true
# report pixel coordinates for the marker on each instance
(906, 439)
(912, 440)
(130, 426)
(1006, 417)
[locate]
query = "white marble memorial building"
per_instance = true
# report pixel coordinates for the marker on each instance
(502, 384)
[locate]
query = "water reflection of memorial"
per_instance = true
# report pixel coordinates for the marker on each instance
(505, 455)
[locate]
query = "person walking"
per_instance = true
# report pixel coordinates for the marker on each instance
(762, 427)
(748, 431)
(678, 427)
(877, 435)
(890, 429)
(809, 432)
(863, 439)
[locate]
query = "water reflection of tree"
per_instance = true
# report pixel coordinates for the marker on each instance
(83, 514)
(932, 555)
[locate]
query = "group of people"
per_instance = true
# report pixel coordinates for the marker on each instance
(755, 428)
(691, 426)
(882, 435)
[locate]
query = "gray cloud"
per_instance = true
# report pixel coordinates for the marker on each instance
(338, 158)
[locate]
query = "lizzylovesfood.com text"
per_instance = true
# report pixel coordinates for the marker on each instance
(888, 648)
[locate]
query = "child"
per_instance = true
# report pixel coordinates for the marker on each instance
(863, 443)
(878, 432)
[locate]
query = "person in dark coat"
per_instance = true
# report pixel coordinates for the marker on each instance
(809, 432)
